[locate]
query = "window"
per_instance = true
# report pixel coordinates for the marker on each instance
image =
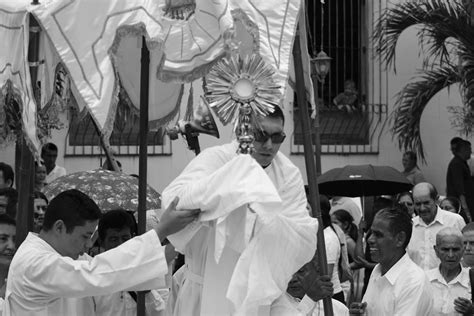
(352, 101)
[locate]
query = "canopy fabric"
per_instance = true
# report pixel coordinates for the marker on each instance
(90, 46)
(14, 71)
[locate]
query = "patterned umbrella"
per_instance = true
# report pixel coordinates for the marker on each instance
(109, 189)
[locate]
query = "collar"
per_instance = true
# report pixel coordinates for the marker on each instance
(396, 270)
(462, 278)
(417, 221)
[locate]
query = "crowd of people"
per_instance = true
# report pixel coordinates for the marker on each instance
(249, 242)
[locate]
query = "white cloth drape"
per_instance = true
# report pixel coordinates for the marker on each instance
(259, 242)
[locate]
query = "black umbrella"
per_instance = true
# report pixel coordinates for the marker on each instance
(363, 180)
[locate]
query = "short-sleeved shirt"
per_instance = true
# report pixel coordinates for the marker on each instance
(333, 252)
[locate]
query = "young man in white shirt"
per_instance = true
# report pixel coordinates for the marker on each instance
(115, 228)
(430, 220)
(49, 154)
(450, 281)
(45, 277)
(397, 286)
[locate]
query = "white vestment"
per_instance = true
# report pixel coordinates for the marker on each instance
(42, 282)
(254, 232)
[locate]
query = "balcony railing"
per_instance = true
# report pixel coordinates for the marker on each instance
(341, 132)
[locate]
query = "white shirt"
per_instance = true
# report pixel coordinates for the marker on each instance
(446, 293)
(263, 247)
(423, 238)
(54, 174)
(333, 253)
(403, 291)
(41, 282)
(123, 304)
(307, 307)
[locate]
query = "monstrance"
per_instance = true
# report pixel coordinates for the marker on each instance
(239, 90)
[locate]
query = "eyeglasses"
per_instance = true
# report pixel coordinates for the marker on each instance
(262, 137)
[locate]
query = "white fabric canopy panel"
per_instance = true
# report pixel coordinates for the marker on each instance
(99, 51)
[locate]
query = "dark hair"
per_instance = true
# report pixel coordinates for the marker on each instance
(455, 142)
(277, 113)
(399, 221)
(7, 171)
(7, 219)
(433, 191)
(73, 207)
(49, 147)
(406, 193)
(411, 155)
(345, 217)
(454, 201)
(40, 195)
(325, 208)
(116, 219)
(12, 196)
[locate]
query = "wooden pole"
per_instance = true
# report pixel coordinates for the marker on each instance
(311, 173)
(142, 168)
(25, 164)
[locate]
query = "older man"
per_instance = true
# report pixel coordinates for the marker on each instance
(450, 281)
(430, 220)
(254, 232)
(397, 285)
(468, 238)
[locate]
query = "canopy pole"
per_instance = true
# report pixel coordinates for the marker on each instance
(309, 156)
(142, 169)
(25, 164)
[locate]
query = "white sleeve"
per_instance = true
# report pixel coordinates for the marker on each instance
(137, 264)
(332, 246)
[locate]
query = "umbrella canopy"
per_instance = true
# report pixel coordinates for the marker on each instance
(363, 180)
(109, 189)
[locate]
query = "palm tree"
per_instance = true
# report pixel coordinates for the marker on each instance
(446, 35)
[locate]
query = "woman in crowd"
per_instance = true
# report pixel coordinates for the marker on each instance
(406, 199)
(39, 206)
(333, 249)
(452, 204)
(410, 168)
(346, 222)
(7, 250)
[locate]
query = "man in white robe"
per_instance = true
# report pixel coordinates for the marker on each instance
(46, 279)
(254, 231)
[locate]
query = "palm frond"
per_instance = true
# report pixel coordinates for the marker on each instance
(439, 20)
(466, 58)
(411, 102)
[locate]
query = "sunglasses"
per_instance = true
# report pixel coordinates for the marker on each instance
(262, 137)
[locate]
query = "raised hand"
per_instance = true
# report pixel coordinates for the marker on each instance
(173, 220)
(357, 309)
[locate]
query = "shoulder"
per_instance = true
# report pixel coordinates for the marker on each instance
(286, 168)
(452, 218)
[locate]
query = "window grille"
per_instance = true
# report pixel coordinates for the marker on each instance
(347, 27)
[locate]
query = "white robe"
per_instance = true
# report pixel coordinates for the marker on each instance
(42, 282)
(253, 234)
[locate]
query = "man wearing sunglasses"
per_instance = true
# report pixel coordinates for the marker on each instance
(241, 252)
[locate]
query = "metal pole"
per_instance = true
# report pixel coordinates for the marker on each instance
(310, 164)
(142, 168)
